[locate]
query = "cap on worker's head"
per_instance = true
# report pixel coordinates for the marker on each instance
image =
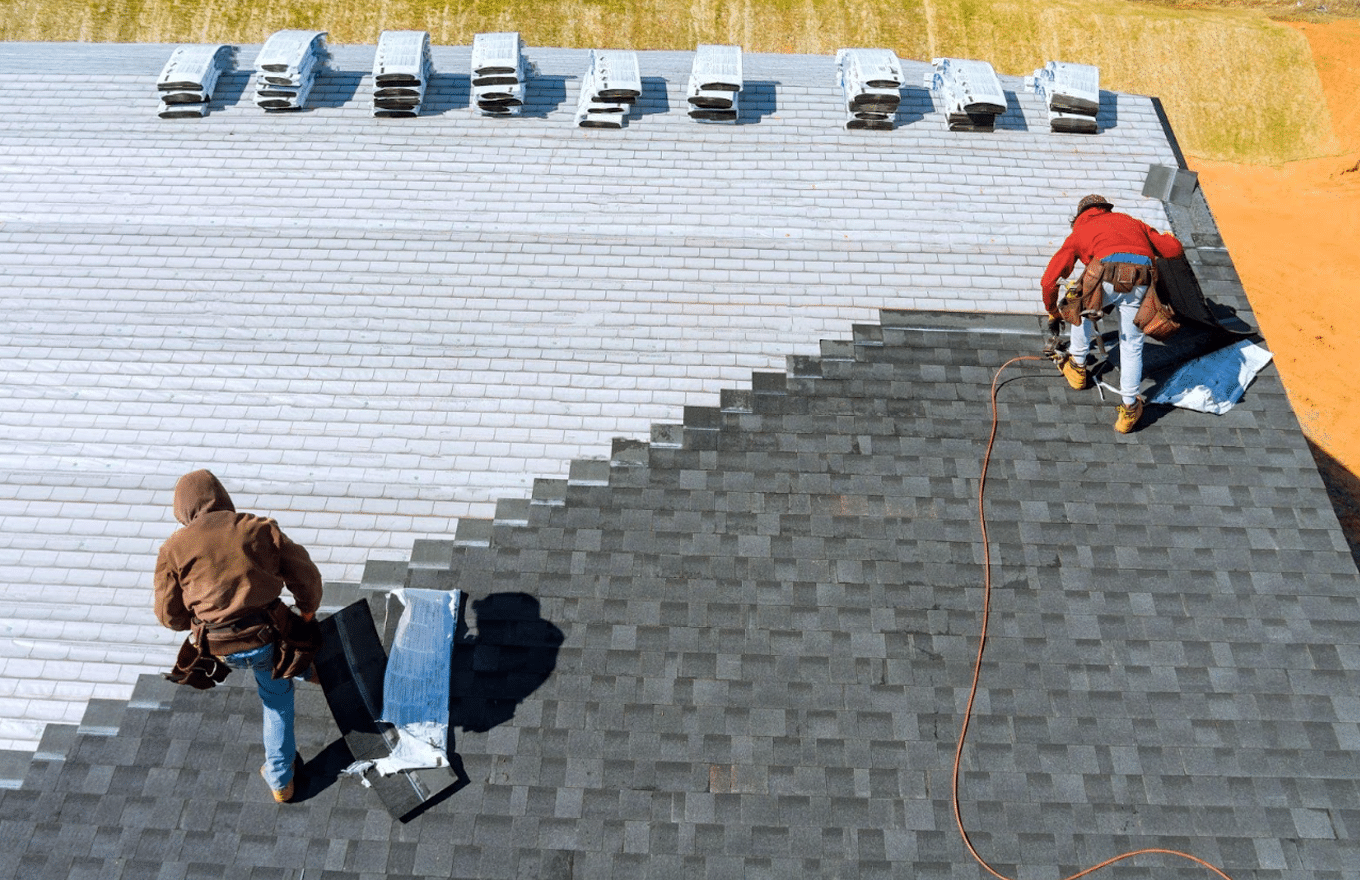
(1092, 201)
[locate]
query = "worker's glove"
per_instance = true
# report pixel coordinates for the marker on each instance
(1054, 336)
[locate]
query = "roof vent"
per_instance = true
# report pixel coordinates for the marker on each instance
(401, 71)
(971, 93)
(1072, 94)
(498, 73)
(872, 82)
(188, 79)
(611, 86)
(1174, 185)
(286, 68)
(714, 83)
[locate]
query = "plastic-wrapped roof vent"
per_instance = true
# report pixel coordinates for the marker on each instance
(611, 85)
(971, 93)
(286, 68)
(401, 72)
(871, 80)
(499, 73)
(715, 80)
(1072, 94)
(187, 81)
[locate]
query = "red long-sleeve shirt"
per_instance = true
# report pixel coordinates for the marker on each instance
(1099, 232)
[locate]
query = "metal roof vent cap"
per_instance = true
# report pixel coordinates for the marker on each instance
(1071, 92)
(971, 93)
(499, 73)
(871, 80)
(402, 67)
(612, 84)
(286, 68)
(1174, 185)
(186, 83)
(715, 81)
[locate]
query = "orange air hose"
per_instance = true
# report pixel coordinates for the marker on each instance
(977, 671)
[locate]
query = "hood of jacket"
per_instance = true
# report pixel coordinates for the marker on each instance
(198, 493)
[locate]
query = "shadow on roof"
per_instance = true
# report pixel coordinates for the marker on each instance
(447, 91)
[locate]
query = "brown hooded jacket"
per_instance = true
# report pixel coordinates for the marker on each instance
(224, 565)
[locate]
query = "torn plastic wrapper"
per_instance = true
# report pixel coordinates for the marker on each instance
(1215, 382)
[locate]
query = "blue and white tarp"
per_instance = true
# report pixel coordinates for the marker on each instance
(1214, 383)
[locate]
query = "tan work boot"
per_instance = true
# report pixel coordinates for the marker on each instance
(285, 794)
(1129, 414)
(1075, 373)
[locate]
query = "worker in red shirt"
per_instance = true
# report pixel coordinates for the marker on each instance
(1118, 252)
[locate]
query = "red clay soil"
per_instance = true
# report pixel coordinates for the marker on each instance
(1294, 234)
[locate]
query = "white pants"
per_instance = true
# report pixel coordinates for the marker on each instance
(1130, 339)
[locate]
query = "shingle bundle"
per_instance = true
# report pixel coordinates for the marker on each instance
(715, 80)
(1072, 94)
(971, 93)
(401, 71)
(286, 68)
(186, 83)
(611, 85)
(498, 73)
(872, 82)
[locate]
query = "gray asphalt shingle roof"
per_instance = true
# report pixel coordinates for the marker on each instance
(378, 329)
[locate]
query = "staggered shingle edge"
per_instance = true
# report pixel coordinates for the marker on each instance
(119, 785)
(105, 796)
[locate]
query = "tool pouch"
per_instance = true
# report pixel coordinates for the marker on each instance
(297, 643)
(1124, 277)
(1155, 318)
(195, 667)
(1084, 297)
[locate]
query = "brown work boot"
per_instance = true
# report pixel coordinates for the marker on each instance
(1129, 414)
(1075, 373)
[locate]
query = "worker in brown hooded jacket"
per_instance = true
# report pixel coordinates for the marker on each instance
(221, 577)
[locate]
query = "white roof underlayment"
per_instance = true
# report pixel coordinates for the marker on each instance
(369, 328)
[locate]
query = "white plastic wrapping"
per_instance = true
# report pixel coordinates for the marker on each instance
(1214, 383)
(416, 685)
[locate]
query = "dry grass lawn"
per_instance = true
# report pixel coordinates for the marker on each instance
(1238, 85)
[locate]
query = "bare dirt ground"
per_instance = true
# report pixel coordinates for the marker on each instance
(1294, 234)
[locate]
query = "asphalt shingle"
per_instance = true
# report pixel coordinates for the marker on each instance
(768, 613)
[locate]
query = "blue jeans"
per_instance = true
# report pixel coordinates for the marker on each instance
(1130, 340)
(276, 696)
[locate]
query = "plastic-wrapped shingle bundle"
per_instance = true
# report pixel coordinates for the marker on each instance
(416, 684)
(1072, 94)
(287, 67)
(401, 71)
(499, 73)
(872, 82)
(611, 86)
(187, 81)
(715, 81)
(971, 93)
